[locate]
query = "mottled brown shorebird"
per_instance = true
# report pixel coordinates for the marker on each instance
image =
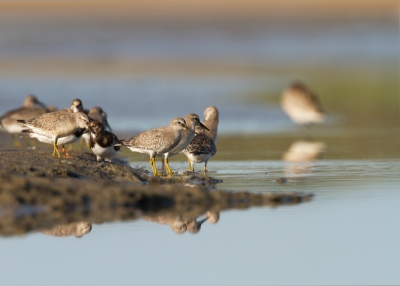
(157, 141)
(211, 120)
(200, 150)
(302, 105)
(98, 114)
(57, 124)
(31, 108)
(102, 142)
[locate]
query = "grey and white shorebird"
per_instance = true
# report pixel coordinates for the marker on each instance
(76, 106)
(98, 114)
(302, 105)
(211, 120)
(200, 150)
(31, 108)
(102, 142)
(192, 120)
(57, 124)
(157, 141)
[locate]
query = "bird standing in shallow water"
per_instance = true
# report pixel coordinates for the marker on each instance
(201, 149)
(102, 142)
(302, 105)
(157, 141)
(57, 124)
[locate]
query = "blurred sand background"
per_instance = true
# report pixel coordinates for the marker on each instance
(239, 16)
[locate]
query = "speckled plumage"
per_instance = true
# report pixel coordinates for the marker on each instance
(192, 120)
(302, 105)
(200, 150)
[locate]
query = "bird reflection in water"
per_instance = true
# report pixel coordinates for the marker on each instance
(181, 224)
(302, 155)
(77, 229)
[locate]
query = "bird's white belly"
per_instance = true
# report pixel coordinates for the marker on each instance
(49, 140)
(139, 150)
(199, 158)
(104, 153)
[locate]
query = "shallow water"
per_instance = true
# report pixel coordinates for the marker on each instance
(347, 234)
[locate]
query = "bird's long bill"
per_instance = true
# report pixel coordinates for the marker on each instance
(108, 125)
(202, 125)
(41, 104)
(202, 221)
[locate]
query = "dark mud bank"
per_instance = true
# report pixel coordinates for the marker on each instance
(38, 191)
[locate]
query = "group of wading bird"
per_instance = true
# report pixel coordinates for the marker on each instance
(183, 135)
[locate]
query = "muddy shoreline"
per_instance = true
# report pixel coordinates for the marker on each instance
(39, 192)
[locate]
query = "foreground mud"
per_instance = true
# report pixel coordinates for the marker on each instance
(41, 193)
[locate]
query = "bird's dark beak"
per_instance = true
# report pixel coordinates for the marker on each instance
(108, 125)
(202, 125)
(202, 221)
(41, 104)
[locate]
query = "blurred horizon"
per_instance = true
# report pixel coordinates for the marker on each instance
(200, 53)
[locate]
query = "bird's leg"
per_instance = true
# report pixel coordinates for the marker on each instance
(154, 167)
(55, 148)
(205, 169)
(167, 168)
(65, 152)
(88, 146)
(191, 166)
(34, 143)
(15, 140)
